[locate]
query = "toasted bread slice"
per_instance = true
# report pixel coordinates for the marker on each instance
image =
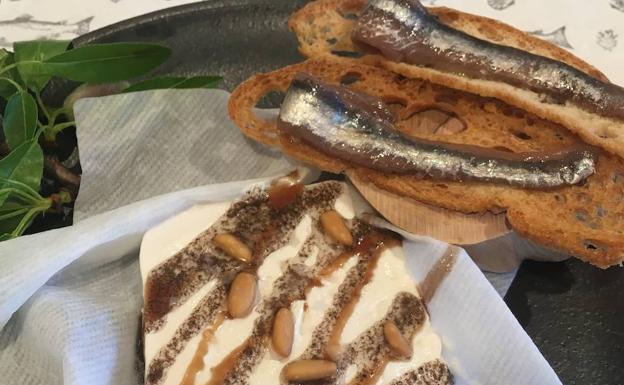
(586, 221)
(324, 27)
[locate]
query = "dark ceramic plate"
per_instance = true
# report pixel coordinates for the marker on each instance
(573, 312)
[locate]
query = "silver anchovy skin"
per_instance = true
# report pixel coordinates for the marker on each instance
(404, 31)
(319, 115)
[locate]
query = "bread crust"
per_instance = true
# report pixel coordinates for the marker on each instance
(322, 28)
(586, 221)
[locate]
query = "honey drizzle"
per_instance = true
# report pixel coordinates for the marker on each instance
(197, 263)
(371, 246)
(204, 313)
(197, 363)
(368, 375)
(333, 344)
(224, 370)
(438, 273)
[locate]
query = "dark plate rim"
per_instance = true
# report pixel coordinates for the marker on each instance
(163, 14)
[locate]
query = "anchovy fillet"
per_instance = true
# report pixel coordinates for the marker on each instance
(403, 31)
(349, 126)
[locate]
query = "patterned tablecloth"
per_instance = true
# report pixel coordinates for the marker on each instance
(593, 30)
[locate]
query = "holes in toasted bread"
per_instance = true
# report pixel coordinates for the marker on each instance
(617, 176)
(395, 105)
(590, 246)
(400, 79)
(272, 99)
(507, 110)
(560, 198)
(332, 41)
(432, 121)
(350, 78)
(593, 245)
(349, 54)
(522, 135)
(452, 126)
(600, 211)
(581, 215)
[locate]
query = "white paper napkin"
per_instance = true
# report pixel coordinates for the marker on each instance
(78, 293)
(138, 145)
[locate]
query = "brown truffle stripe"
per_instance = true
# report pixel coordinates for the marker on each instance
(432, 373)
(292, 285)
(407, 312)
(203, 314)
(257, 224)
(369, 351)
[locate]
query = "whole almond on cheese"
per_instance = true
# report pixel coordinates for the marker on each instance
(283, 332)
(308, 370)
(233, 246)
(242, 294)
(396, 340)
(334, 226)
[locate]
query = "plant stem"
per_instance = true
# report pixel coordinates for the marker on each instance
(20, 194)
(24, 187)
(17, 86)
(14, 213)
(53, 167)
(51, 131)
(59, 111)
(44, 108)
(14, 65)
(8, 68)
(30, 215)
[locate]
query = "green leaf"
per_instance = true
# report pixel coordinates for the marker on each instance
(20, 119)
(3, 198)
(30, 54)
(8, 208)
(8, 225)
(6, 88)
(24, 164)
(103, 63)
(4, 56)
(175, 82)
(17, 215)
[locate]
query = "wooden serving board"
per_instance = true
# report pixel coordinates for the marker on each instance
(422, 219)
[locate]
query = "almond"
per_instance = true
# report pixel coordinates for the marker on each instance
(334, 226)
(333, 351)
(307, 370)
(396, 340)
(283, 332)
(242, 294)
(233, 246)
